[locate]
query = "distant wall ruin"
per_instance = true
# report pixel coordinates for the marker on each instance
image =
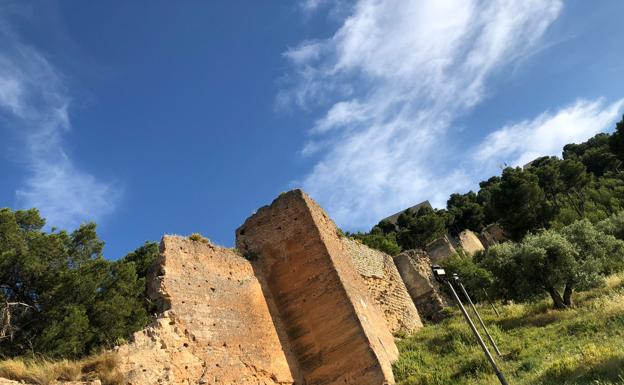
(469, 242)
(385, 286)
(440, 249)
(415, 269)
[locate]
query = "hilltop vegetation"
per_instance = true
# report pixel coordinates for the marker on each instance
(580, 345)
(59, 296)
(549, 193)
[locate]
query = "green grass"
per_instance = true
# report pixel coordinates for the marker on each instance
(582, 345)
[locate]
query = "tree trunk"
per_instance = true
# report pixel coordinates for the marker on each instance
(567, 295)
(556, 297)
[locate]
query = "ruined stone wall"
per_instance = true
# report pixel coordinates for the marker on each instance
(385, 286)
(492, 234)
(216, 328)
(336, 330)
(469, 242)
(415, 269)
(440, 249)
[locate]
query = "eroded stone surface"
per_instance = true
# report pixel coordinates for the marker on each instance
(415, 269)
(492, 234)
(385, 286)
(336, 330)
(217, 328)
(440, 249)
(469, 242)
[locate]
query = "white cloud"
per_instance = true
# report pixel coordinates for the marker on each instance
(34, 103)
(520, 143)
(391, 80)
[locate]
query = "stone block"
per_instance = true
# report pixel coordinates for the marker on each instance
(469, 242)
(337, 332)
(440, 249)
(385, 286)
(216, 327)
(415, 269)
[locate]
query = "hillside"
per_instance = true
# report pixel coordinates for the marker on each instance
(582, 345)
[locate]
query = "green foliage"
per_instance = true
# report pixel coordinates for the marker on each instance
(574, 258)
(377, 240)
(614, 225)
(520, 203)
(466, 211)
(616, 141)
(68, 300)
(474, 277)
(417, 229)
(549, 193)
(582, 345)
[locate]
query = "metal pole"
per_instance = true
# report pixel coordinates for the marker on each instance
(499, 374)
(487, 333)
(491, 303)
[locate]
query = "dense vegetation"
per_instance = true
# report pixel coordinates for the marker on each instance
(59, 297)
(575, 346)
(549, 193)
(563, 217)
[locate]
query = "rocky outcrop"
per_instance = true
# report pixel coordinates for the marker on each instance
(492, 234)
(385, 286)
(216, 327)
(440, 249)
(337, 332)
(469, 242)
(415, 269)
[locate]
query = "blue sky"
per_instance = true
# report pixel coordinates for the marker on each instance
(154, 117)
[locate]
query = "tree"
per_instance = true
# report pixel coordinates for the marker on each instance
(595, 154)
(520, 203)
(466, 212)
(376, 239)
(417, 230)
(545, 262)
(616, 142)
(72, 299)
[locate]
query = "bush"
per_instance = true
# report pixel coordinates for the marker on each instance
(68, 300)
(475, 278)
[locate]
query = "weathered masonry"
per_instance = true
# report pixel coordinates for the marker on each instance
(294, 304)
(336, 331)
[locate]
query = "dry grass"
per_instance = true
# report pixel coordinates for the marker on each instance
(197, 237)
(46, 372)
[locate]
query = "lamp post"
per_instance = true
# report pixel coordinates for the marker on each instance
(440, 276)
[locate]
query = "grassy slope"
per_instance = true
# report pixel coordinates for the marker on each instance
(583, 345)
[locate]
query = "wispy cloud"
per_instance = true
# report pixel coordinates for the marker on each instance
(519, 143)
(391, 80)
(34, 103)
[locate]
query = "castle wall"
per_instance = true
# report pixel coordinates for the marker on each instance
(216, 328)
(415, 269)
(336, 331)
(385, 286)
(470, 242)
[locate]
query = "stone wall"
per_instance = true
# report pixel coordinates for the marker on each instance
(492, 234)
(216, 327)
(336, 331)
(385, 286)
(440, 249)
(469, 242)
(415, 269)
